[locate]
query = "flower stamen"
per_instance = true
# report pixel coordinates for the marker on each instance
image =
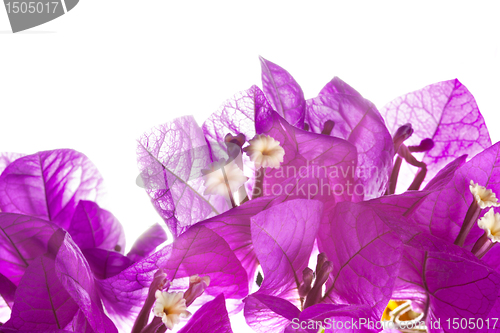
(323, 270)
(490, 223)
(482, 198)
(402, 315)
(401, 135)
(402, 151)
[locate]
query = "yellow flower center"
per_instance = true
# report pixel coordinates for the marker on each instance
(401, 314)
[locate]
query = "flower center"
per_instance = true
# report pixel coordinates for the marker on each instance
(490, 223)
(484, 197)
(402, 316)
(170, 307)
(265, 152)
(222, 178)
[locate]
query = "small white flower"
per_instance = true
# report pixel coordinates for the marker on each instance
(484, 197)
(265, 152)
(490, 223)
(170, 307)
(214, 177)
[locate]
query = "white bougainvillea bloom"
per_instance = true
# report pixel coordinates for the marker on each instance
(265, 152)
(484, 197)
(170, 307)
(215, 182)
(490, 223)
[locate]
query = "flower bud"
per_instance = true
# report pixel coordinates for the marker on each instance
(402, 133)
(305, 286)
(197, 286)
(314, 296)
(328, 127)
(239, 139)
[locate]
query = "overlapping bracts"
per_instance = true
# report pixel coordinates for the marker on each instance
(314, 236)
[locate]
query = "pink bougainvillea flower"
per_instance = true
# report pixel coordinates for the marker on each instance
(61, 186)
(441, 273)
(338, 111)
(24, 238)
(234, 226)
(283, 93)
(26, 256)
(306, 164)
(358, 121)
(303, 129)
(237, 116)
(49, 185)
(357, 266)
(94, 227)
(444, 112)
(171, 159)
(169, 308)
(49, 295)
(314, 167)
(211, 317)
(443, 120)
(450, 204)
(26, 259)
(237, 193)
(439, 280)
(444, 281)
(198, 251)
(49, 193)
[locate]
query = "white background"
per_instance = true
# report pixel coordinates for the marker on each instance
(95, 79)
